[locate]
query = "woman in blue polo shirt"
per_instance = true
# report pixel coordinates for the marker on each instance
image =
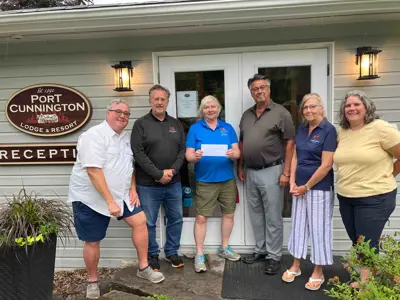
(215, 178)
(311, 185)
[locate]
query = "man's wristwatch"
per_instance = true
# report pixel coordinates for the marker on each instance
(286, 175)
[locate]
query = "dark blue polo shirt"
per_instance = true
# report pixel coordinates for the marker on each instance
(309, 153)
(212, 168)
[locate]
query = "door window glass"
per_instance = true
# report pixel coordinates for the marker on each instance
(288, 86)
(191, 87)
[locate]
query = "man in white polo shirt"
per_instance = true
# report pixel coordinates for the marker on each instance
(102, 185)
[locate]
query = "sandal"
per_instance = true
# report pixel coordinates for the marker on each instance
(312, 280)
(290, 279)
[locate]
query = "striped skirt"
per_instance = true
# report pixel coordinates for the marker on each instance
(312, 217)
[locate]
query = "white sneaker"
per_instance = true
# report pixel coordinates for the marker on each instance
(93, 290)
(200, 263)
(150, 275)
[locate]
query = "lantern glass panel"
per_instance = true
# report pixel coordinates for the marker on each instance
(125, 77)
(365, 65)
(375, 64)
(116, 78)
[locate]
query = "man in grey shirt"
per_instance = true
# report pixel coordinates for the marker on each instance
(267, 138)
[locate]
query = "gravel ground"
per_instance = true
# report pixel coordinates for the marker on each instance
(70, 284)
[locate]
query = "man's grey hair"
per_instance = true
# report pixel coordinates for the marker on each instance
(117, 101)
(160, 88)
(369, 105)
(258, 77)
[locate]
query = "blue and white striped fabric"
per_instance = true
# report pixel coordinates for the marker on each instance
(312, 217)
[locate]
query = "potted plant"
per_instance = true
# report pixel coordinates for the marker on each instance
(29, 227)
(384, 284)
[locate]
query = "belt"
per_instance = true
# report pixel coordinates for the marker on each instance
(275, 163)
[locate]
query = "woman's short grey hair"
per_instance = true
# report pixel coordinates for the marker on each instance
(303, 102)
(160, 88)
(206, 100)
(369, 105)
(117, 101)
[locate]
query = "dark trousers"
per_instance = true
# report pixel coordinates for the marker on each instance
(367, 216)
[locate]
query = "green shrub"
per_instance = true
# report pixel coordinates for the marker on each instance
(160, 297)
(385, 285)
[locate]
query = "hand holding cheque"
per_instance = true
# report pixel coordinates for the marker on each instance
(213, 150)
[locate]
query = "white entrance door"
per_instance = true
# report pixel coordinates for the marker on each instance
(293, 74)
(190, 78)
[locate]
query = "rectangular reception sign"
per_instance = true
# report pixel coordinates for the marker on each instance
(25, 154)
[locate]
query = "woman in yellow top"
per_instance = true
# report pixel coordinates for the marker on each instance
(366, 184)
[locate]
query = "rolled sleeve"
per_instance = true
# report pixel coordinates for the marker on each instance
(191, 138)
(241, 129)
(389, 135)
(330, 143)
(92, 151)
(287, 127)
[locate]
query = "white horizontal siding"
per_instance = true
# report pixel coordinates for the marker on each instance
(385, 93)
(92, 75)
(86, 66)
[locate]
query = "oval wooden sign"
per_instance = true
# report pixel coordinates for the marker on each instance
(48, 110)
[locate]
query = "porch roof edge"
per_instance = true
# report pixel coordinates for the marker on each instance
(192, 13)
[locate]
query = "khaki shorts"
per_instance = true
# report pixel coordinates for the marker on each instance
(208, 193)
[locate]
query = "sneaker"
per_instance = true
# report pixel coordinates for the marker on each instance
(175, 261)
(150, 275)
(200, 263)
(228, 253)
(93, 290)
(154, 262)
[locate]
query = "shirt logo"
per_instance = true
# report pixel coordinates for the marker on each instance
(315, 139)
(172, 129)
(223, 131)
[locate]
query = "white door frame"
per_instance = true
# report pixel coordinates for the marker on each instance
(330, 46)
(229, 64)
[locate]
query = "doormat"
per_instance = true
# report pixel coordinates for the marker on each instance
(244, 281)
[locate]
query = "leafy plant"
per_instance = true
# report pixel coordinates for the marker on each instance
(160, 297)
(384, 284)
(27, 219)
(26, 4)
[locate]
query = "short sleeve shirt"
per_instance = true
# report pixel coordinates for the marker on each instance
(364, 166)
(263, 138)
(212, 168)
(101, 147)
(309, 150)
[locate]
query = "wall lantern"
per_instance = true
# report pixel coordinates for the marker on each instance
(123, 76)
(367, 59)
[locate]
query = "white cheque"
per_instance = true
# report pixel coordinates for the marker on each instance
(214, 150)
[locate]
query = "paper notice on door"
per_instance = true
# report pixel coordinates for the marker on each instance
(186, 103)
(214, 150)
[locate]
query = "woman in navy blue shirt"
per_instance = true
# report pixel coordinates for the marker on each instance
(311, 184)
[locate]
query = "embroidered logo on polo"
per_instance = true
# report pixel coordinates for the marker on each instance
(223, 131)
(172, 129)
(315, 139)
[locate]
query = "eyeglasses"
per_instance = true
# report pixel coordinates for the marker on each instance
(311, 107)
(120, 112)
(259, 88)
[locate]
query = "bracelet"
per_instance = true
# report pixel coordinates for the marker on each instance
(307, 187)
(286, 175)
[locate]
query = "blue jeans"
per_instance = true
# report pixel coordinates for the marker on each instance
(367, 216)
(170, 196)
